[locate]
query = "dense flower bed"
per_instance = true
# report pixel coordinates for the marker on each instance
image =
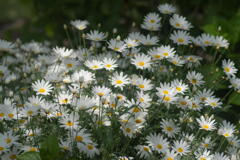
(145, 96)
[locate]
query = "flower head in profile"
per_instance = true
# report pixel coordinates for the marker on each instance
(80, 24)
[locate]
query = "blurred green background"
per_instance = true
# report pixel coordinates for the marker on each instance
(44, 19)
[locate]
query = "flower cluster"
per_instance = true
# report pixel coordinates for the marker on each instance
(141, 97)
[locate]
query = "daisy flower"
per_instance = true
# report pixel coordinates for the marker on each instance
(69, 121)
(136, 36)
(119, 80)
(80, 24)
(180, 37)
(101, 91)
(206, 123)
(181, 147)
(89, 148)
(85, 102)
(143, 151)
(206, 155)
(155, 53)
(206, 40)
(109, 63)
(131, 43)
(148, 40)
(235, 83)
(229, 68)
(170, 155)
(151, 26)
(213, 102)
(64, 98)
(196, 79)
(83, 76)
(63, 52)
(220, 42)
(169, 127)
(117, 45)
(180, 22)
(166, 51)
(42, 87)
(177, 61)
(158, 143)
(129, 129)
(94, 64)
(82, 137)
(6, 46)
(179, 86)
(220, 156)
(204, 94)
(96, 36)
(141, 61)
(167, 8)
(226, 129)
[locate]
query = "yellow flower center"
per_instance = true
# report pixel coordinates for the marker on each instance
(119, 82)
(203, 158)
(177, 24)
(41, 90)
(183, 103)
(128, 130)
(227, 69)
(213, 104)
(69, 123)
(157, 56)
(141, 99)
(90, 147)
(207, 42)
(108, 65)
(194, 81)
(152, 21)
(180, 150)
(13, 156)
(138, 121)
(2, 148)
(10, 115)
(168, 128)
(100, 94)
(30, 113)
(33, 149)
(159, 146)
(226, 135)
(205, 145)
(180, 40)
(166, 54)
(141, 63)
(136, 109)
(165, 92)
(179, 89)
(116, 48)
(65, 101)
(8, 140)
(169, 158)
(69, 65)
(205, 126)
(146, 149)
(95, 67)
(141, 86)
(79, 138)
(166, 98)
(1, 114)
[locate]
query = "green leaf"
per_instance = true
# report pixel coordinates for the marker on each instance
(50, 149)
(234, 98)
(29, 156)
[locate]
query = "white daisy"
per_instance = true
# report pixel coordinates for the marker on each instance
(141, 61)
(96, 36)
(119, 80)
(180, 22)
(80, 24)
(117, 45)
(167, 8)
(206, 123)
(180, 37)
